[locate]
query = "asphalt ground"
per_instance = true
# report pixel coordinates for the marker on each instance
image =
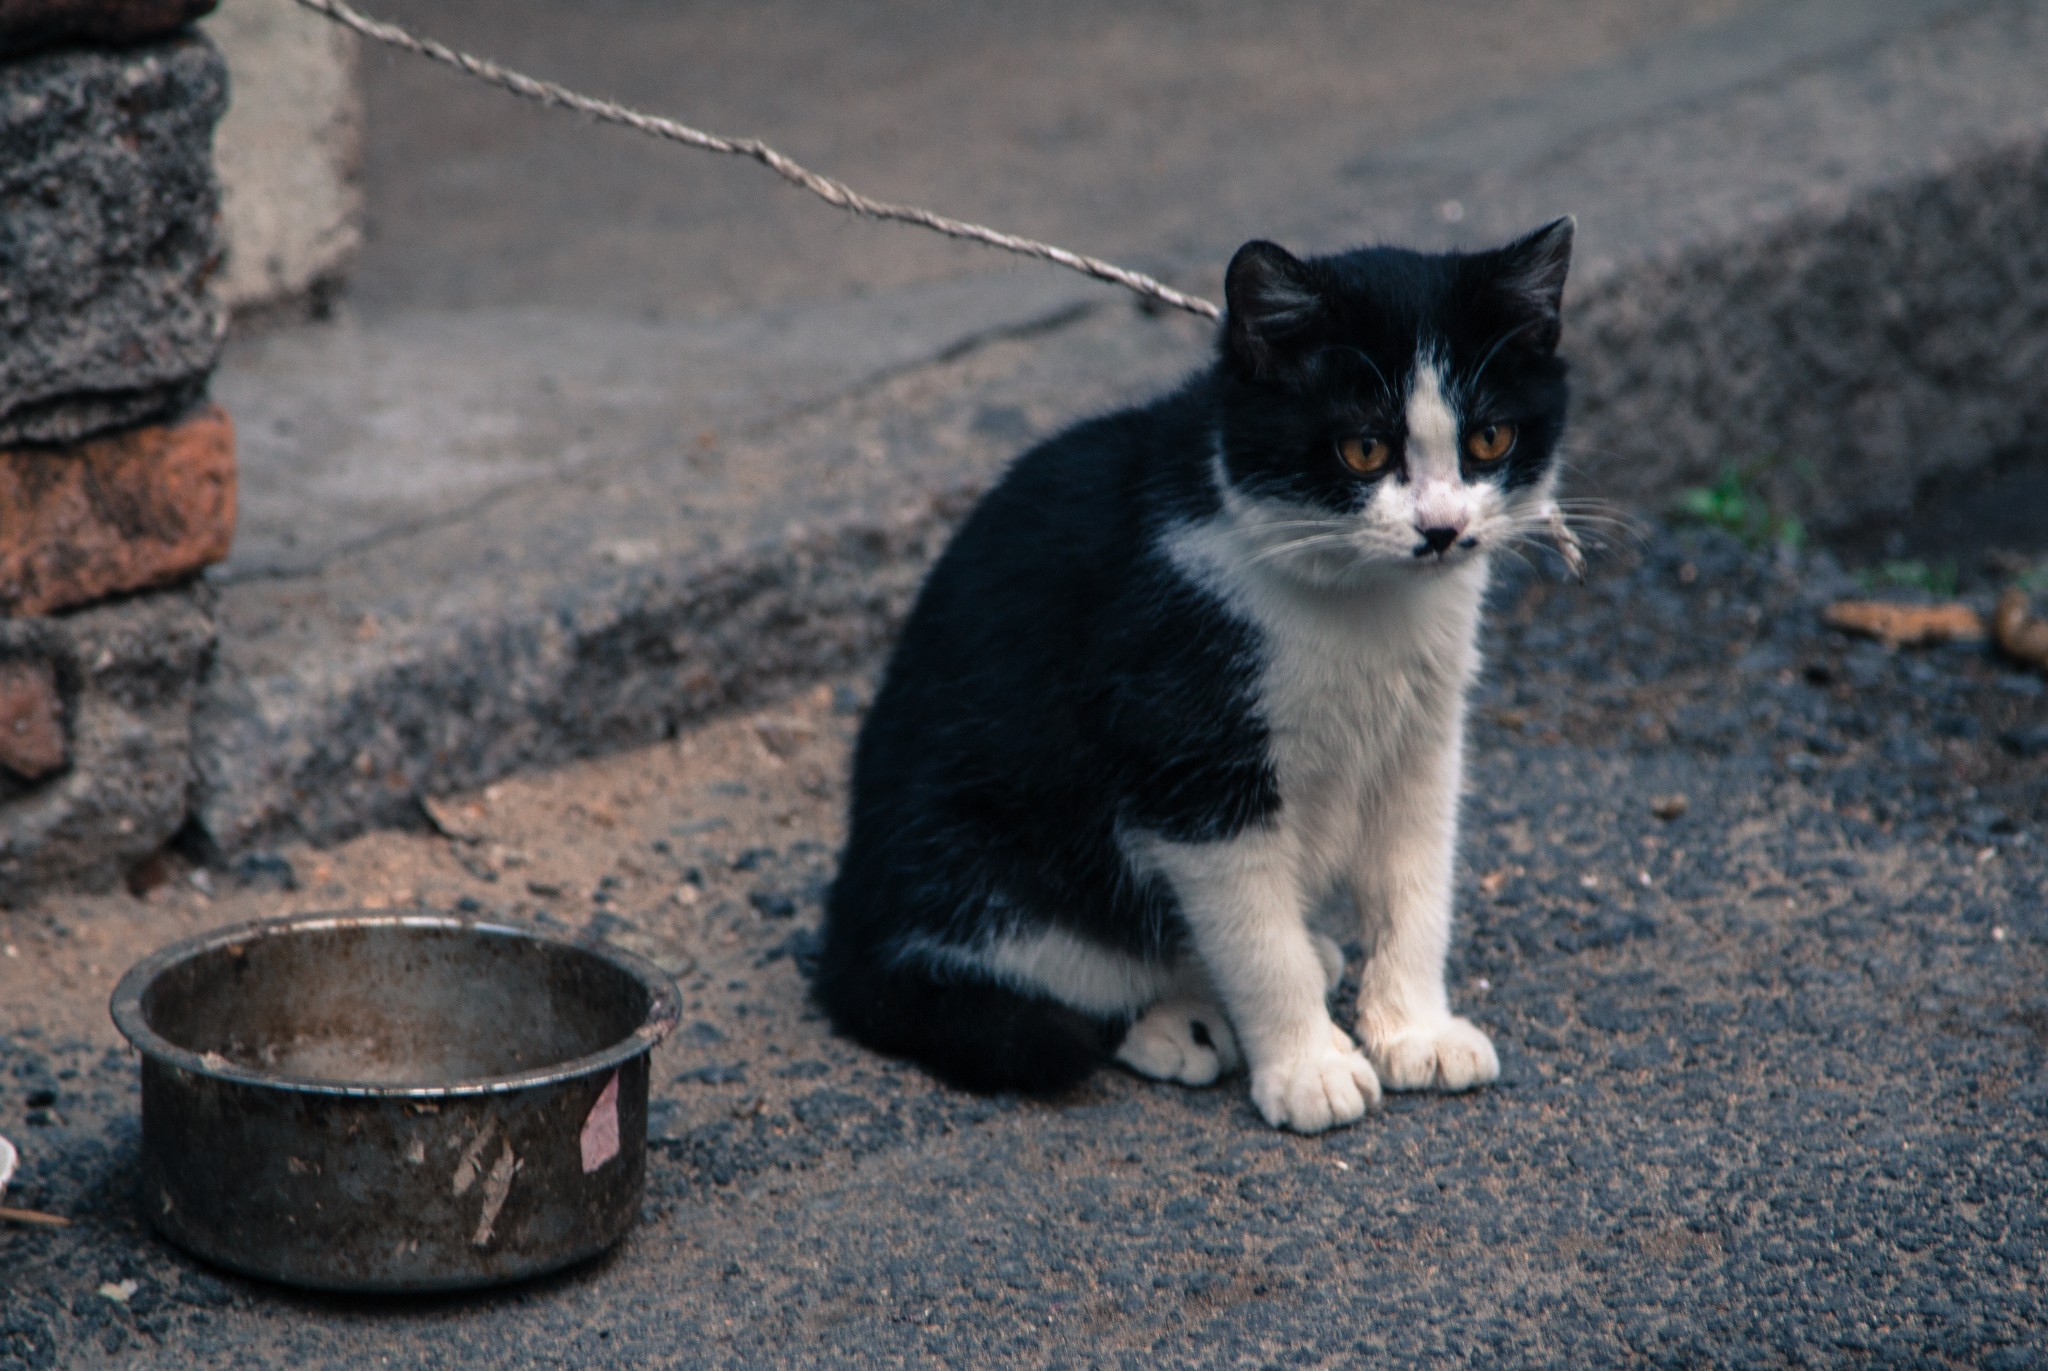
(1773, 1080)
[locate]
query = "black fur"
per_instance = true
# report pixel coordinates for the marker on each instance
(1059, 680)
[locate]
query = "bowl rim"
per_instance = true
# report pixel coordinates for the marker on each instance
(664, 1006)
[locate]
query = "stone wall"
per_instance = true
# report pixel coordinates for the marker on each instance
(109, 241)
(117, 479)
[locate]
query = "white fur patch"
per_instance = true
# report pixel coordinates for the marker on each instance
(1439, 496)
(1432, 426)
(1078, 973)
(1332, 958)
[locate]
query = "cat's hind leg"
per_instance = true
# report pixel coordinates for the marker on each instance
(1183, 1038)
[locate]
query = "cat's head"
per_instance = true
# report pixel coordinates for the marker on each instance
(1391, 409)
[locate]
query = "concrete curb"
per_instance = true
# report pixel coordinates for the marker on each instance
(1830, 266)
(561, 622)
(587, 668)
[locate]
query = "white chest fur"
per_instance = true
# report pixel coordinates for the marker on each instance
(1357, 682)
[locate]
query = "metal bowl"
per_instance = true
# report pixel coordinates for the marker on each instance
(392, 1101)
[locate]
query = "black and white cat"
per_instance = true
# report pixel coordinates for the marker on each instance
(1189, 668)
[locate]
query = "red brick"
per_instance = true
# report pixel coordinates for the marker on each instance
(126, 512)
(32, 741)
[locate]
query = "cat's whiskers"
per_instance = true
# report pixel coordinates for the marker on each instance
(1320, 525)
(1366, 357)
(1599, 525)
(1607, 509)
(1582, 511)
(1591, 528)
(1493, 351)
(1515, 547)
(1299, 544)
(1539, 527)
(1510, 548)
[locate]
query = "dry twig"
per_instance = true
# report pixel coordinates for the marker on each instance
(1567, 543)
(34, 1217)
(1905, 625)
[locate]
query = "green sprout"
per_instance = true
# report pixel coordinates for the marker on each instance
(1938, 579)
(1734, 505)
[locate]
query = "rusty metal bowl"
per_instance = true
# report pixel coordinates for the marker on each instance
(392, 1101)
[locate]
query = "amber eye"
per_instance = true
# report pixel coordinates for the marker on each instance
(1366, 456)
(1490, 442)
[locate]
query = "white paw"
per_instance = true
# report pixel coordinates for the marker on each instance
(1328, 1083)
(1182, 1040)
(1446, 1054)
(1332, 958)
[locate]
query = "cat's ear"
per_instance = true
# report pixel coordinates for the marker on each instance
(1272, 302)
(1530, 271)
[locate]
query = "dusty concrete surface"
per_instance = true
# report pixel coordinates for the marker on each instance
(494, 490)
(1773, 1084)
(1154, 133)
(569, 617)
(288, 152)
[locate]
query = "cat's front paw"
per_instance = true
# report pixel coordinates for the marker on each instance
(1444, 1054)
(1327, 1084)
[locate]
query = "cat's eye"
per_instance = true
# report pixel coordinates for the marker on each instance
(1366, 456)
(1490, 442)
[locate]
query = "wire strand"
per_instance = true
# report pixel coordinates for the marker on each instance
(832, 192)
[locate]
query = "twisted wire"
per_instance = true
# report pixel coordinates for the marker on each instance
(832, 192)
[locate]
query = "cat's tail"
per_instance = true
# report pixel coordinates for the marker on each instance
(970, 1032)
